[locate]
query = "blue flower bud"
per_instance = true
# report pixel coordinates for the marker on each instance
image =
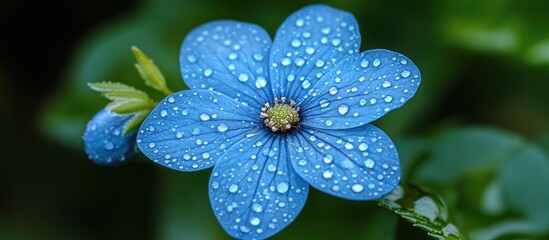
(104, 140)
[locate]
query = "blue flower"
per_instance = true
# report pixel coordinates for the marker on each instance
(273, 118)
(105, 142)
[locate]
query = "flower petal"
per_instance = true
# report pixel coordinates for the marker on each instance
(105, 142)
(307, 45)
(360, 90)
(190, 130)
(254, 191)
(359, 164)
(229, 57)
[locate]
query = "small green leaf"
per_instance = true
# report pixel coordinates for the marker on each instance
(423, 210)
(124, 99)
(110, 87)
(128, 107)
(149, 72)
(136, 121)
(133, 95)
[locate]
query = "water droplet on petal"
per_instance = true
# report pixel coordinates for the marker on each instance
(376, 62)
(369, 163)
(324, 103)
(343, 109)
(296, 43)
(243, 77)
(386, 84)
(364, 63)
(282, 187)
(319, 63)
(405, 73)
(327, 174)
(163, 113)
(222, 128)
(260, 82)
(233, 188)
(329, 123)
(204, 117)
(255, 221)
(357, 188)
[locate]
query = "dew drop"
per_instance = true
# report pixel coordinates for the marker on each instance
(257, 207)
(319, 63)
(222, 128)
(348, 146)
(357, 188)
(163, 113)
(306, 84)
(282, 187)
(363, 147)
(204, 117)
(327, 174)
(152, 145)
(258, 57)
(369, 163)
(296, 43)
(405, 73)
(324, 103)
(364, 63)
(386, 84)
(376, 62)
(333, 90)
(286, 61)
(191, 58)
(388, 99)
(336, 41)
(233, 188)
(171, 100)
(243, 77)
(328, 159)
(233, 56)
(260, 82)
(309, 50)
(329, 123)
(299, 22)
(208, 72)
(255, 221)
(343, 109)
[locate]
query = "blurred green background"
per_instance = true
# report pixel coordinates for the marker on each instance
(476, 134)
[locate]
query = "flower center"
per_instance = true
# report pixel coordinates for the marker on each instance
(280, 117)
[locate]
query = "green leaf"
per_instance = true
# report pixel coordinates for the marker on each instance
(125, 99)
(128, 107)
(111, 87)
(149, 72)
(424, 210)
(136, 121)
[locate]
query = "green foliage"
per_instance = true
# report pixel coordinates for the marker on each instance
(423, 210)
(492, 177)
(125, 100)
(149, 72)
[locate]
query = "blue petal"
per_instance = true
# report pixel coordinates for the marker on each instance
(360, 90)
(190, 130)
(307, 45)
(358, 164)
(230, 57)
(104, 142)
(254, 190)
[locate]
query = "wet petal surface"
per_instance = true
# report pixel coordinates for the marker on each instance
(359, 164)
(190, 130)
(360, 90)
(307, 45)
(104, 142)
(254, 190)
(230, 57)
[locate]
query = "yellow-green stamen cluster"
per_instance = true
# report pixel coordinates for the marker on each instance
(281, 116)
